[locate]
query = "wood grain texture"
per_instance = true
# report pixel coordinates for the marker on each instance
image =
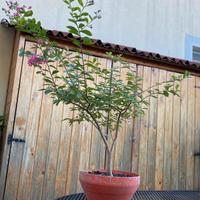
(65, 138)
(160, 135)
(19, 130)
(97, 148)
(74, 159)
(167, 172)
(25, 183)
(52, 156)
(159, 145)
(86, 129)
(136, 134)
(197, 136)
(144, 131)
(175, 142)
(119, 159)
(190, 134)
(129, 137)
(152, 134)
(39, 169)
(11, 101)
(183, 134)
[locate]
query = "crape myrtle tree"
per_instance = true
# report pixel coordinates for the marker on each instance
(70, 78)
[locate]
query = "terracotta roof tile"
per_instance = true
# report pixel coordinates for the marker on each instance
(130, 51)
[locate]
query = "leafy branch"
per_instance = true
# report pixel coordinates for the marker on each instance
(71, 78)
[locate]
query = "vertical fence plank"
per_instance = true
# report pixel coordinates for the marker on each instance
(136, 134)
(175, 142)
(183, 134)
(120, 142)
(152, 133)
(25, 183)
(61, 176)
(160, 135)
(85, 134)
(11, 102)
(65, 138)
(129, 137)
(74, 158)
(167, 172)
(97, 148)
(190, 134)
(19, 130)
(144, 131)
(197, 135)
(52, 156)
(39, 168)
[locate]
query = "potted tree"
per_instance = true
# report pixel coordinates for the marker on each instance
(105, 103)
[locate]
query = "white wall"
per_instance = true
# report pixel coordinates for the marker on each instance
(152, 25)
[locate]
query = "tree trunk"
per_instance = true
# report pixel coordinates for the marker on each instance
(109, 163)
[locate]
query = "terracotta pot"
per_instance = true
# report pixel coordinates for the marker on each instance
(98, 187)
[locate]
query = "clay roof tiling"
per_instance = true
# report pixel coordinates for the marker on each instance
(125, 50)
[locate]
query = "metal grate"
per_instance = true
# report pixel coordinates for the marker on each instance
(149, 195)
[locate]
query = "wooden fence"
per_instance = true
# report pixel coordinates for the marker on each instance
(160, 146)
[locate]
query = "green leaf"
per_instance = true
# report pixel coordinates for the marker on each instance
(81, 25)
(55, 72)
(166, 93)
(48, 80)
(76, 8)
(73, 30)
(85, 14)
(85, 19)
(177, 86)
(76, 42)
(21, 52)
(28, 13)
(48, 91)
(80, 2)
(87, 41)
(87, 32)
(186, 74)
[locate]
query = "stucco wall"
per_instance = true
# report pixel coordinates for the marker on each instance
(159, 26)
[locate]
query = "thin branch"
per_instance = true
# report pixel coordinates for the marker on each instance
(81, 49)
(95, 121)
(157, 85)
(116, 131)
(110, 92)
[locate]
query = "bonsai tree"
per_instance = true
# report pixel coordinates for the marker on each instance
(71, 78)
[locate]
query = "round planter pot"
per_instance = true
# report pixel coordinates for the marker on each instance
(100, 187)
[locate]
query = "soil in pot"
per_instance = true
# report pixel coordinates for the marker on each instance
(99, 186)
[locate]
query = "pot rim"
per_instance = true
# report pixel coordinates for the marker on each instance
(132, 175)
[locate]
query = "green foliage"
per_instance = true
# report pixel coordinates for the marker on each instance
(96, 93)
(81, 20)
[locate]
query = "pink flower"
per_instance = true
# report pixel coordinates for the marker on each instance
(16, 14)
(40, 41)
(36, 60)
(19, 9)
(14, 10)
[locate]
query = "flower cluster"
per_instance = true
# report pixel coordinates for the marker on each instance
(13, 10)
(36, 60)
